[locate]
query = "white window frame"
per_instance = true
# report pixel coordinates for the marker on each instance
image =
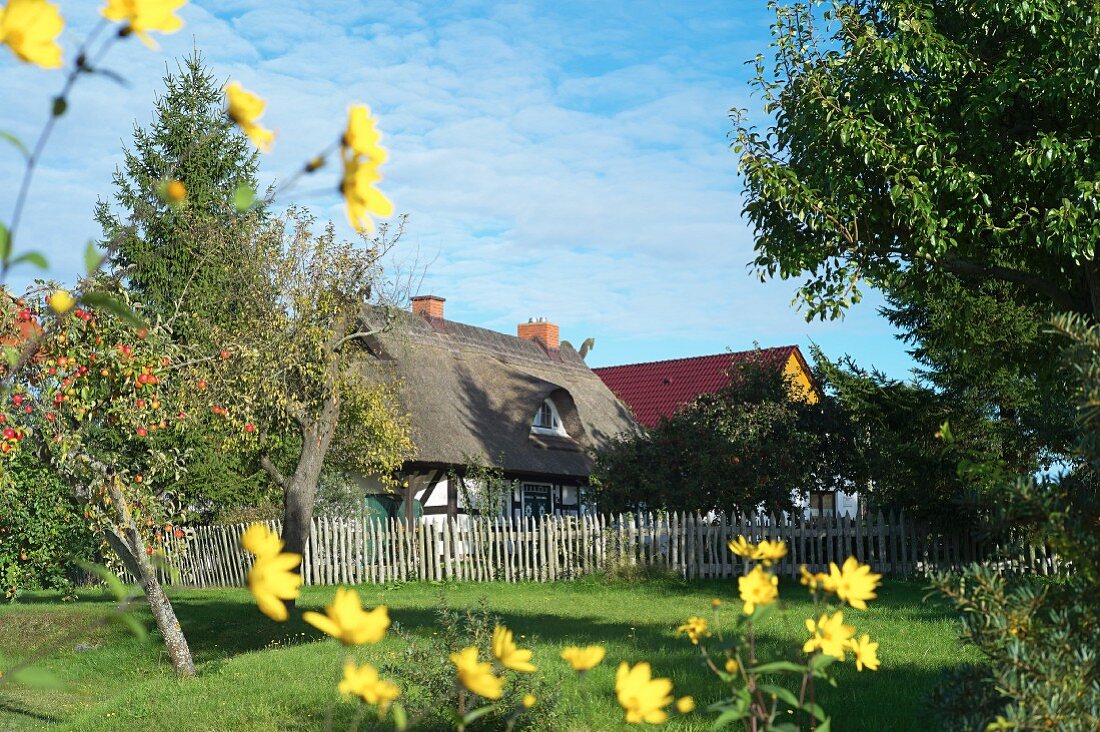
(557, 428)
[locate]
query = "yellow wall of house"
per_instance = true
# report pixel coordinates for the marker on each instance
(802, 386)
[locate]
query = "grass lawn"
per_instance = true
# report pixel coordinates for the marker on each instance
(258, 675)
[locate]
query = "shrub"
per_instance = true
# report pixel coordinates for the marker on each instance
(42, 530)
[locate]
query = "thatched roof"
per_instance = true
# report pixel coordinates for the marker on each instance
(474, 392)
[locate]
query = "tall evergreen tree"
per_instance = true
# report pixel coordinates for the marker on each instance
(175, 257)
(172, 253)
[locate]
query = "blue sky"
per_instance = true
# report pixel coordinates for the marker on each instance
(567, 160)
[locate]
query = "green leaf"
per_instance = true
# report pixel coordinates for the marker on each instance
(16, 142)
(12, 355)
(93, 258)
(36, 678)
(35, 258)
(782, 692)
(477, 713)
(133, 624)
(816, 710)
(783, 727)
(821, 661)
(5, 242)
(728, 717)
(113, 305)
(114, 584)
(400, 718)
(768, 668)
(824, 726)
(243, 197)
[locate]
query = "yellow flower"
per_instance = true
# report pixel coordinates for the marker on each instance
(362, 198)
(261, 542)
(865, 652)
(362, 137)
(741, 547)
(732, 665)
(529, 700)
(770, 551)
(347, 621)
(271, 579)
(245, 108)
(364, 683)
(504, 648)
(829, 635)
(583, 659)
(142, 16)
(176, 191)
(477, 676)
(642, 697)
(695, 628)
(757, 588)
(685, 704)
(716, 603)
(61, 302)
(854, 583)
(30, 29)
(811, 579)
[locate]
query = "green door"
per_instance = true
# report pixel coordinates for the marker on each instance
(537, 501)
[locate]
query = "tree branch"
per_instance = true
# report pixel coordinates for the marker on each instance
(1040, 285)
(272, 471)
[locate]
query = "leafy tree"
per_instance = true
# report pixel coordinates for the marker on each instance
(100, 402)
(915, 136)
(747, 446)
(297, 386)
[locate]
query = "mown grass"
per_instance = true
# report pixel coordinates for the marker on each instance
(259, 675)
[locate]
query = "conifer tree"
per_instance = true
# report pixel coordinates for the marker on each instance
(171, 255)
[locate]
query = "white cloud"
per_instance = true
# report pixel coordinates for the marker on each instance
(565, 160)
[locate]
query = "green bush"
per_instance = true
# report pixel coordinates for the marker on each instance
(43, 532)
(1041, 638)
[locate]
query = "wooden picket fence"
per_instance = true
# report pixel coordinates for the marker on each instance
(478, 549)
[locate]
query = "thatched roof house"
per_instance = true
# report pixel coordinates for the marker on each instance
(526, 404)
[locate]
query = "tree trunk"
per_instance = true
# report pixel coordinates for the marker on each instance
(131, 549)
(300, 490)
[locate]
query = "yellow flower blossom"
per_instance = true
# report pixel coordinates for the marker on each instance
(271, 579)
(361, 136)
(30, 29)
(854, 583)
(142, 16)
(866, 652)
(175, 190)
(345, 619)
(360, 195)
(505, 650)
(716, 603)
(583, 659)
(246, 108)
(732, 666)
(758, 588)
(812, 580)
(768, 552)
(829, 635)
(741, 547)
(695, 628)
(61, 302)
(477, 676)
(364, 683)
(685, 705)
(259, 541)
(642, 697)
(529, 700)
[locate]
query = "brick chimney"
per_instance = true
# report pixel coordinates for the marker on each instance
(429, 306)
(541, 330)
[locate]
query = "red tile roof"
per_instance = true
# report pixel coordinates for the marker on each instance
(658, 388)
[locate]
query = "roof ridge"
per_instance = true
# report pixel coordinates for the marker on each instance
(696, 358)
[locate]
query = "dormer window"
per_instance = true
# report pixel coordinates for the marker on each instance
(547, 421)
